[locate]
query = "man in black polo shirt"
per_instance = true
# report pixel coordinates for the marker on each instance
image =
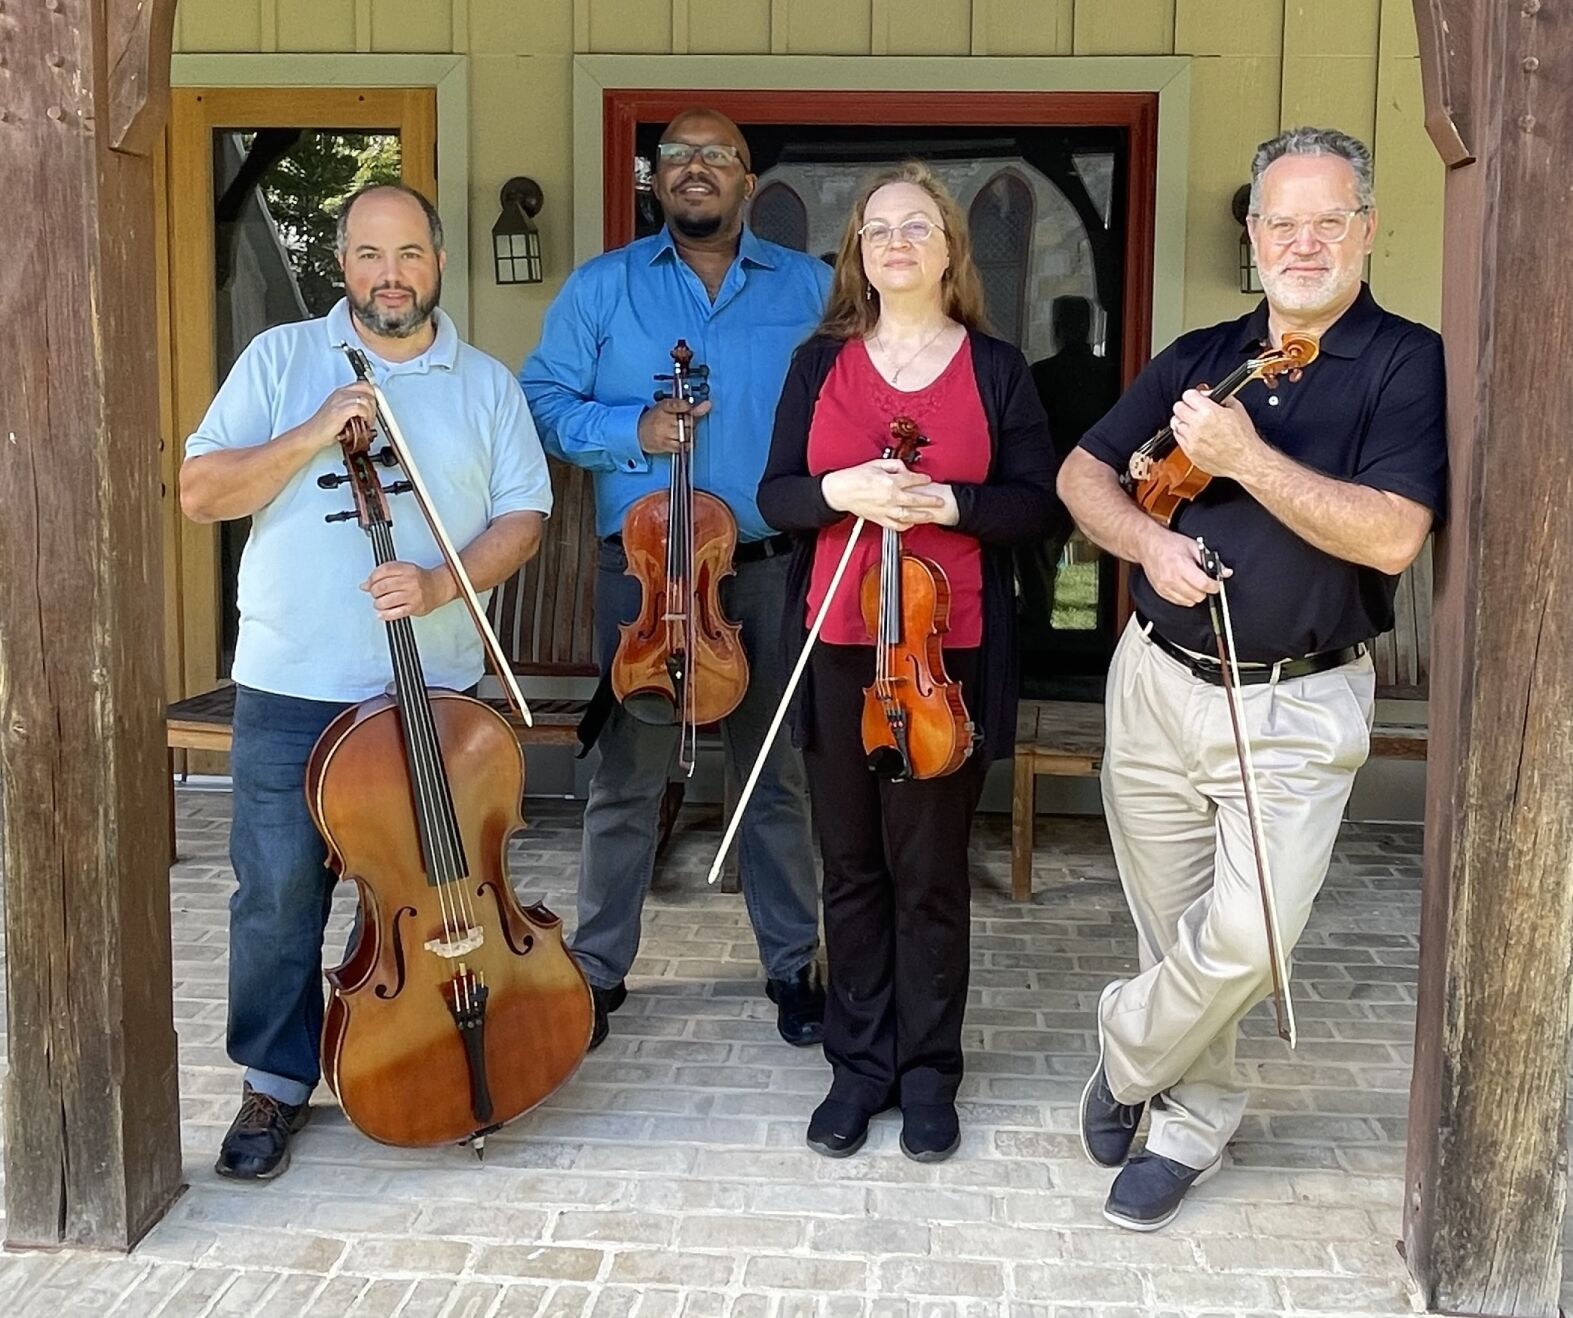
(1324, 491)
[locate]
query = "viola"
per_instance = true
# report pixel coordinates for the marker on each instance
(457, 1009)
(915, 723)
(1163, 478)
(681, 660)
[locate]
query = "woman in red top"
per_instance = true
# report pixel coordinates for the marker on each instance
(902, 336)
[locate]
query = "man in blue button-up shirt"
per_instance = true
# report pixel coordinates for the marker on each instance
(742, 305)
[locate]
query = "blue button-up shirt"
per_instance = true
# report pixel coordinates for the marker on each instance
(611, 331)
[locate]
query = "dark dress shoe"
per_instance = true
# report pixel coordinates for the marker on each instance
(1108, 1126)
(930, 1132)
(1148, 1192)
(800, 1006)
(256, 1145)
(838, 1128)
(605, 1001)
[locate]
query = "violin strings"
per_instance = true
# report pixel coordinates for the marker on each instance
(690, 696)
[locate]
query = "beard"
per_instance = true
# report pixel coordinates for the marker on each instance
(396, 324)
(700, 226)
(1296, 293)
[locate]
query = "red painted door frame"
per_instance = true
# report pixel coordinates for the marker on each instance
(623, 109)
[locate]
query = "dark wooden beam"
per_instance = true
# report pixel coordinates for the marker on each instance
(92, 1121)
(1487, 1176)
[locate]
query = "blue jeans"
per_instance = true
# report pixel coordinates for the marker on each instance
(283, 892)
(776, 850)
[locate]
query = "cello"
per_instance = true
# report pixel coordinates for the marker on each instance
(1159, 474)
(456, 1010)
(680, 660)
(914, 722)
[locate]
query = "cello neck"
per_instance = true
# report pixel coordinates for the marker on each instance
(442, 848)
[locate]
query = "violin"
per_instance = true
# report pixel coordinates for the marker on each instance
(681, 660)
(456, 1009)
(915, 724)
(1163, 477)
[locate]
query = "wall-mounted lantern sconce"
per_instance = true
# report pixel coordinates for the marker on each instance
(1240, 206)
(516, 243)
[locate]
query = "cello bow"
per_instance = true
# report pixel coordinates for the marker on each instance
(389, 427)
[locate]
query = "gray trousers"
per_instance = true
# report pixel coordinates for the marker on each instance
(1177, 819)
(775, 848)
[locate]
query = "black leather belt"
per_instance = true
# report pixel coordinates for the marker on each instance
(1209, 670)
(752, 551)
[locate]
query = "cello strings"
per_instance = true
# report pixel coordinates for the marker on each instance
(436, 828)
(430, 783)
(403, 677)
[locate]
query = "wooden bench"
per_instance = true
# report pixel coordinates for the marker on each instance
(1065, 739)
(205, 723)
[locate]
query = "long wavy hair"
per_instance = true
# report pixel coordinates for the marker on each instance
(853, 309)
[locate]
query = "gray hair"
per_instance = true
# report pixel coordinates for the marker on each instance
(341, 238)
(1314, 142)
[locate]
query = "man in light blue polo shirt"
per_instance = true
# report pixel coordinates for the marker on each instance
(742, 305)
(313, 605)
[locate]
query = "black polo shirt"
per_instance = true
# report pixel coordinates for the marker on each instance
(1369, 410)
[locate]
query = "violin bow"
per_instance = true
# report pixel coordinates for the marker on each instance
(1228, 659)
(786, 699)
(401, 451)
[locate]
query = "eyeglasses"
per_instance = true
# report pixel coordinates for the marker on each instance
(1327, 227)
(717, 154)
(876, 233)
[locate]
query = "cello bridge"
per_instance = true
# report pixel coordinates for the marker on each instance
(456, 942)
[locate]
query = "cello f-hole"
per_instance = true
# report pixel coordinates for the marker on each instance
(382, 990)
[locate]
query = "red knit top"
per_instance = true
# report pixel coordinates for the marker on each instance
(851, 424)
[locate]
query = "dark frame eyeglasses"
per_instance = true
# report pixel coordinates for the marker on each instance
(718, 155)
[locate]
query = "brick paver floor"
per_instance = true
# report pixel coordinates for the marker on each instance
(669, 1176)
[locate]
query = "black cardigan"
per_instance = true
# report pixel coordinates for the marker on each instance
(1015, 504)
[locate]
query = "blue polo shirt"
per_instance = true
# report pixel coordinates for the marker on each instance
(1369, 410)
(611, 330)
(306, 627)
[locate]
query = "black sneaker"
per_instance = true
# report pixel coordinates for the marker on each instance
(800, 1003)
(838, 1128)
(605, 1001)
(1148, 1192)
(1107, 1125)
(256, 1145)
(930, 1132)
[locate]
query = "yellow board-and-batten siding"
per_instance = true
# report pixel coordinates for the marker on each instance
(1257, 66)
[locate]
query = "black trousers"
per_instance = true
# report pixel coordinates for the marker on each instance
(896, 898)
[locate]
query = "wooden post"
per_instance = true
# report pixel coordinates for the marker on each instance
(92, 1121)
(1487, 1175)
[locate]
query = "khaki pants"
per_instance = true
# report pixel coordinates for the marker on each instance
(1177, 819)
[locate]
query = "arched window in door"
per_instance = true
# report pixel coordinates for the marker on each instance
(779, 216)
(1001, 222)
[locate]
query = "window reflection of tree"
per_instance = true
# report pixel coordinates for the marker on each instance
(1001, 223)
(779, 216)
